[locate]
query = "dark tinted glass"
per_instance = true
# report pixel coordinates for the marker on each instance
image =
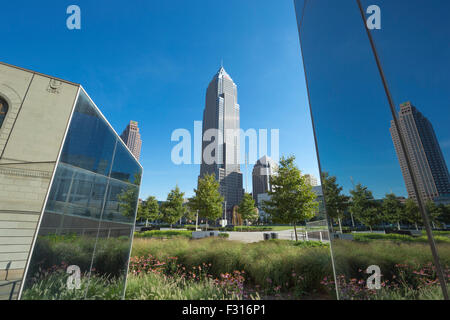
(377, 230)
(90, 142)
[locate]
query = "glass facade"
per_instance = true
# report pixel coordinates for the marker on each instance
(371, 74)
(84, 239)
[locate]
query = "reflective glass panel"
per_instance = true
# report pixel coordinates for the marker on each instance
(84, 239)
(378, 241)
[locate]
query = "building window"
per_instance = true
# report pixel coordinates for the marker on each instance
(3, 111)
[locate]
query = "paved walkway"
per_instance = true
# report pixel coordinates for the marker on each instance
(249, 237)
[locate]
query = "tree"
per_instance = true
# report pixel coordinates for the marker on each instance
(142, 213)
(335, 202)
(173, 209)
(247, 208)
(129, 197)
(392, 209)
(152, 209)
(292, 199)
(412, 212)
(445, 216)
(207, 200)
(191, 212)
(434, 212)
(363, 206)
(148, 210)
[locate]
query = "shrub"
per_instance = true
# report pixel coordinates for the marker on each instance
(164, 234)
(51, 284)
(267, 265)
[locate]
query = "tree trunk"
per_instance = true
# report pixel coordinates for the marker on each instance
(340, 225)
(196, 222)
(398, 225)
(370, 228)
(417, 228)
(146, 223)
(295, 230)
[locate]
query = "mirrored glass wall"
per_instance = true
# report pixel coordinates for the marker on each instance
(84, 239)
(377, 75)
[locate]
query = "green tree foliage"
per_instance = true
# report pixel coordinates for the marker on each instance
(247, 208)
(434, 212)
(412, 212)
(445, 216)
(173, 209)
(128, 201)
(207, 200)
(142, 213)
(336, 203)
(128, 198)
(393, 210)
(148, 210)
(363, 207)
(292, 199)
(191, 212)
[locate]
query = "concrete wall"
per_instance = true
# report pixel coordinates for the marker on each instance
(30, 140)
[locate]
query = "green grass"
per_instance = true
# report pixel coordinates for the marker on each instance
(54, 249)
(439, 237)
(54, 287)
(429, 293)
(154, 286)
(352, 256)
(266, 264)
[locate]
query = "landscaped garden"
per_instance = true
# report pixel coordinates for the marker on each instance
(278, 269)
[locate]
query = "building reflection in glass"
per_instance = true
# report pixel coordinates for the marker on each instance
(89, 217)
(375, 217)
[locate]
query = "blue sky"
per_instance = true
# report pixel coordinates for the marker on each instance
(151, 61)
(350, 109)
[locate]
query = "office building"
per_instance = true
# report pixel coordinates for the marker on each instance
(69, 189)
(425, 154)
(312, 180)
(262, 171)
(221, 138)
(132, 139)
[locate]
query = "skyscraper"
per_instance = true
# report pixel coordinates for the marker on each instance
(425, 153)
(263, 169)
(221, 124)
(312, 180)
(132, 139)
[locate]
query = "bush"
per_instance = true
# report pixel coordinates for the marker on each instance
(153, 286)
(164, 234)
(111, 256)
(272, 266)
(439, 238)
(52, 285)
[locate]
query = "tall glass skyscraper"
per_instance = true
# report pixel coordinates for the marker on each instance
(221, 138)
(426, 155)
